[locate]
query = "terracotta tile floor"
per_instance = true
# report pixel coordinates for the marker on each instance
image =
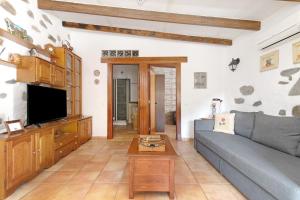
(98, 170)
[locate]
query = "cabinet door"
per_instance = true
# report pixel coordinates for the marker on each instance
(69, 61)
(43, 71)
(89, 128)
(20, 160)
(45, 149)
(58, 76)
(81, 131)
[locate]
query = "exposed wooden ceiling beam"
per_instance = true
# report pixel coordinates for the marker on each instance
(291, 0)
(146, 33)
(149, 15)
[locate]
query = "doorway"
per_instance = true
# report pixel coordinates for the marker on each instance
(125, 100)
(144, 64)
(163, 100)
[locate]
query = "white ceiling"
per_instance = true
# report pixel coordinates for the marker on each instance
(240, 9)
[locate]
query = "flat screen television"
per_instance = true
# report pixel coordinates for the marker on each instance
(45, 104)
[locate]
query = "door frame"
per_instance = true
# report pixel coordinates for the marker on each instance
(144, 64)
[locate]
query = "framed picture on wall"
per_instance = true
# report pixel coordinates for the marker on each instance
(200, 80)
(269, 61)
(296, 52)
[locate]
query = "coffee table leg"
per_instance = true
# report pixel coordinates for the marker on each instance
(172, 177)
(131, 166)
(171, 195)
(131, 194)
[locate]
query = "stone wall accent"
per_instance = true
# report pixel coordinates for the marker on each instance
(30, 14)
(59, 38)
(283, 82)
(46, 18)
(239, 100)
(257, 103)
(247, 90)
(11, 81)
(289, 72)
(282, 112)
(8, 7)
(295, 91)
(51, 38)
(36, 29)
(42, 23)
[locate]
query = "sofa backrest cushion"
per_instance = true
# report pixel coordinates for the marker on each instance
(281, 133)
(244, 123)
(298, 151)
(204, 125)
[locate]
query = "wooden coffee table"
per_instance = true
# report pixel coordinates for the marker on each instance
(151, 171)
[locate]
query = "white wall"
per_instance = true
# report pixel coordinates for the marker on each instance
(13, 106)
(195, 103)
(273, 96)
(128, 72)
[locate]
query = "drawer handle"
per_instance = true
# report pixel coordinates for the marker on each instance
(60, 144)
(60, 152)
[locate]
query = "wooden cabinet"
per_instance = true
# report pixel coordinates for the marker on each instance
(44, 149)
(23, 156)
(37, 70)
(34, 70)
(20, 159)
(43, 70)
(77, 85)
(58, 76)
(73, 69)
(84, 130)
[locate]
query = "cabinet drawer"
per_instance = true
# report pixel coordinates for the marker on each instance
(153, 167)
(63, 140)
(64, 151)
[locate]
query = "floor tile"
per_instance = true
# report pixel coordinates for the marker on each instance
(218, 192)
(102, 191)
(99, 170)
(189, 192)
(84, 177)
(59, 177)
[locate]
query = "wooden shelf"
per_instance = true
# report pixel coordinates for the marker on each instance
(6, 63)
(22, 42)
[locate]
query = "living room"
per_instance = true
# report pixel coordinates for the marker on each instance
(236, 70)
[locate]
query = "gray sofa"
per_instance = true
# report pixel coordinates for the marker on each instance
(261, 159)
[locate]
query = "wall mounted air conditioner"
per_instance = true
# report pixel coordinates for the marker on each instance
(280, 37)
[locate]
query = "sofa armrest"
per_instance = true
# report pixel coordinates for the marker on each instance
(204, 125)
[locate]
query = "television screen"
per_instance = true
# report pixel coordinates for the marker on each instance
(45, 104)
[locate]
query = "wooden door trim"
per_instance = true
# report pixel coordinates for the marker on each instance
(177, 66)
(172, 62)
(110, 101)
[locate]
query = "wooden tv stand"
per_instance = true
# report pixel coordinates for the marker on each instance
(23, 156)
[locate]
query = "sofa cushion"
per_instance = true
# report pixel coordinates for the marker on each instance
(204, 124)
(244, 123)
(281, 133)
(274, 171)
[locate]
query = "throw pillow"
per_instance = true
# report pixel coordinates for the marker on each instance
(224, 123)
